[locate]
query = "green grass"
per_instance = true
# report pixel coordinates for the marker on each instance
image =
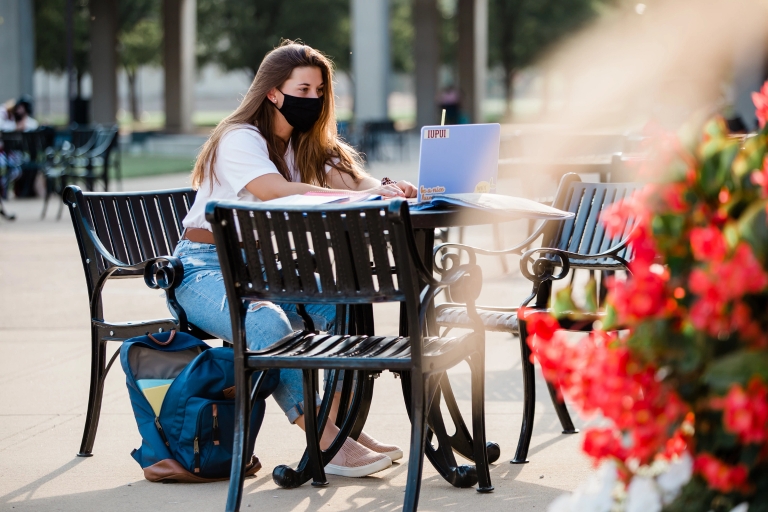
(150, 165)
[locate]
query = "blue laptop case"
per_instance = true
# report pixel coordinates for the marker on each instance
(458, 159)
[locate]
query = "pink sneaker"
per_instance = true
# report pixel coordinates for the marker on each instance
(391, 451)
(354, 460)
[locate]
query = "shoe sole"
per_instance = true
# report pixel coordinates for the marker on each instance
(359, 472)
(394, 455)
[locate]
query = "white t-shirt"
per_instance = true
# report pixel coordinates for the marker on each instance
(242, 156)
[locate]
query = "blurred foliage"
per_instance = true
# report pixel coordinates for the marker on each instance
(139, 34)
(237, 34)
(51, 36)
(401, 35)
(520, 31)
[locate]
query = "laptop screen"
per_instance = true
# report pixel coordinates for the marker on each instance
(458, 159)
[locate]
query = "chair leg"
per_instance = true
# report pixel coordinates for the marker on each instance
(47, 197)
(240, 441)
(98, 361)
(477, 366)
(311, 430)
(418, 440)
(498, 245)
(562, 411)
(529, 398)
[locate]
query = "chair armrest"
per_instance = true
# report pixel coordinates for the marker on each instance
(454, 259)
(167, 273)
(468, 280)
(542, 268)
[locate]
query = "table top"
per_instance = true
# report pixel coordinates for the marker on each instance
(458, 217)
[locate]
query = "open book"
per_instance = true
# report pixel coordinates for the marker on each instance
(323, 197)
(494, 202)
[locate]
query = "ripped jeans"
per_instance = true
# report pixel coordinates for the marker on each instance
(204, 299)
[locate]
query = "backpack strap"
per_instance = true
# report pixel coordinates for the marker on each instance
(163, 343)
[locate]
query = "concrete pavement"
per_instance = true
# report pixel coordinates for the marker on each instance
(44, 366)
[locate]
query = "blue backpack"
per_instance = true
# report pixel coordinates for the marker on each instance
(182, 392)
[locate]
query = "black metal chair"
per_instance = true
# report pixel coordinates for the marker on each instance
(84, 166)
(376, 135)
(82, 163)
(126, 235)
(360, 255)
(576, 243)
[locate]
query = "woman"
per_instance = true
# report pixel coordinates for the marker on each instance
(280, 141)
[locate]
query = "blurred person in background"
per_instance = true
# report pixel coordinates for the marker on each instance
(22, 114)
(7, 122)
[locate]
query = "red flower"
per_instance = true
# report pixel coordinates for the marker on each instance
(760, 177)
(642, 295)
(600, 443)
(746, 411)
(760, 99)
(708, 244)
(540, 324)
(720, 475)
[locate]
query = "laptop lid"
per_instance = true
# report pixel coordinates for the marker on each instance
(457, 159)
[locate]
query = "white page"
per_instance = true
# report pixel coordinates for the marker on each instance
(302, 200)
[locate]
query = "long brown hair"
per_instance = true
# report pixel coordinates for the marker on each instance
(314, 149)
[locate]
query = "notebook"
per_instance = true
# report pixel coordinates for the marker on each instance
(323, 197)
(458, 159)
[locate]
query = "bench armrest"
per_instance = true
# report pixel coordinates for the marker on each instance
(441, 261)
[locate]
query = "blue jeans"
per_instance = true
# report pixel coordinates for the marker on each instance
(204, 299)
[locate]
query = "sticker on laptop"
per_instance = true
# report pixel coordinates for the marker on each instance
(436, 133)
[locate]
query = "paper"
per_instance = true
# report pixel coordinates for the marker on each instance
(305, 200)
(322, 197)
(495, 202)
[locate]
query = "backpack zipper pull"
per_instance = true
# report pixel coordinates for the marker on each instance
(162, 433)
(215, 410)
(197, 456)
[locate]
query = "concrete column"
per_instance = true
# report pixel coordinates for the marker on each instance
(180, 35)
(370, 58)
(103, 30)
(17, 47)
(473, 56)
(426, 51)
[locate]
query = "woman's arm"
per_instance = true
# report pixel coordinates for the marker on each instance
(339, 180)
(272, 186)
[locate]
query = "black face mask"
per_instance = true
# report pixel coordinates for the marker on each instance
(301, 113)
(18, 115)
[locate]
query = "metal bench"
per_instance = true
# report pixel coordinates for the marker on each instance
(126, 235)
(576, 243)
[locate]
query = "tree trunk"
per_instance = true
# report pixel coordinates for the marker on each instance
(133, 98)
(509, 76)
(79, 84)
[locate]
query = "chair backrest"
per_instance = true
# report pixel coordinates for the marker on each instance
(106, 138)
(130, 227)
(82, 136)
(12, 141)
(329, 253)
(584, 233)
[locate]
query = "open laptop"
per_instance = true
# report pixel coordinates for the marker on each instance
(458, 159)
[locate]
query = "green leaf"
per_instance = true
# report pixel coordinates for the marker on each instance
(590, 290)
(753, 228)
(736, 368)
(611, 319)
(564, 304)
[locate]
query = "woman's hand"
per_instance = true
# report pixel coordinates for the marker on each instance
(407, 187)
(386, 191)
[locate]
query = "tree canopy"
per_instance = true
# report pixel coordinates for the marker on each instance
(520, 31)
(51, 35)
(237, 34)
